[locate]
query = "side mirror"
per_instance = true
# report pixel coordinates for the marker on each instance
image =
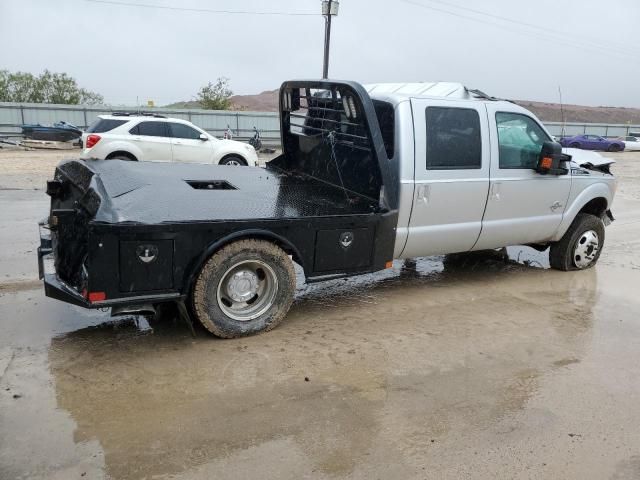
(552, 160)
(203, 137)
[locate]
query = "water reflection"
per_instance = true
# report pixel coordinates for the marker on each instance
(376, 366)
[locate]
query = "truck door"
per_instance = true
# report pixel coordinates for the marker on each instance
(451, 176)
(523, 206)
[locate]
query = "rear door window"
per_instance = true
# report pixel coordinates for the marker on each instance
(453, 138)
(151, 129)
(180, 130)
(102, 125)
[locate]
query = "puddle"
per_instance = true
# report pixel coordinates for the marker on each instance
(372, 375)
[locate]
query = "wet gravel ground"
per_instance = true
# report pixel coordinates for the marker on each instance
(477, 366)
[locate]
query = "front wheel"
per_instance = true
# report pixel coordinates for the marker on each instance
(233, 160)
(245, 288)
(581, 245)
(614, 148)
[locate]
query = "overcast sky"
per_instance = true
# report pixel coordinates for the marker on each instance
(591, 48)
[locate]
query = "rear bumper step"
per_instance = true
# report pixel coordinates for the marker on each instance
(56, 288)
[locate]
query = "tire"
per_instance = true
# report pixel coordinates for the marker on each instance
(122, 156)
(242, 269)
(572, 252)
(614, 148)
(233, 160)
(574, 145)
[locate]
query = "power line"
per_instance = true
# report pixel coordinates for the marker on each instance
(200, 10)
(526, 24)
(555, 39)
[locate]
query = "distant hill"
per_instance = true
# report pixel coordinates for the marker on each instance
(550, 112)
(193, 104)
(262, 102)
(267, 101)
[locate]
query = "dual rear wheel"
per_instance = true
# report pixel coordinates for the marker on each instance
(245, 288)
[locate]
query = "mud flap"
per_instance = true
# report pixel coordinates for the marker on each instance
(607, 218)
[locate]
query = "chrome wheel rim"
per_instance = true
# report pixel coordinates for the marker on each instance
(247, 290)
(586, 249)
(233, 162)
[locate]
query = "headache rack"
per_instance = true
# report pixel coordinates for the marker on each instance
(330, 132)
(330, 114)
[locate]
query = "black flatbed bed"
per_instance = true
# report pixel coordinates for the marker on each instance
(153, 193)
(130, 233)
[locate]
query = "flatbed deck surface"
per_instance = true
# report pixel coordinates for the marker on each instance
(151, 193)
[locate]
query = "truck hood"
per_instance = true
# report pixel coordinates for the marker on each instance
(587, 158)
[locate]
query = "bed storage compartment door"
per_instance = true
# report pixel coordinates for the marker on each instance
(343, 249)
(146, 265)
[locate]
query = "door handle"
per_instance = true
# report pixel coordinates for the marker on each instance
(424, 192)
(494, 192)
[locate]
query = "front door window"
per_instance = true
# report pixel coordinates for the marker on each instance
(520, 140)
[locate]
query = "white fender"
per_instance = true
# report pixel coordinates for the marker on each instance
(596, 190)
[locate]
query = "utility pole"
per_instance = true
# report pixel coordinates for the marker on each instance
(329, 9)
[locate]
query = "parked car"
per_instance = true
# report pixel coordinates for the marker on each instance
(156, 138)
(365, 177)
(592, 142)
(631, 144)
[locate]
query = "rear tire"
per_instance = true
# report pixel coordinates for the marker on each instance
(233, 160)
(122, 156)
(245, 288)
(574, 145)
(581, 245)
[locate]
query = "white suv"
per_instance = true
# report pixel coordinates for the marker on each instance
(150, 137)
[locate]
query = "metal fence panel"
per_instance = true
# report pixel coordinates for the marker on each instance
(615, 131)
(13, 115)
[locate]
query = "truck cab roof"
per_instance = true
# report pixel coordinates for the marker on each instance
(396, 93)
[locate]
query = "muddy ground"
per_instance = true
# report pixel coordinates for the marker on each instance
(442, 368)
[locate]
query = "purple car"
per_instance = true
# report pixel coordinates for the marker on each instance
(592, 142)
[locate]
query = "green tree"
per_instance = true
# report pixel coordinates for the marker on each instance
(48, 87)
(216, 96)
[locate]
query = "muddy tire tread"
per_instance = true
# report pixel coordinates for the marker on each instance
(561, 252)
(200, 299)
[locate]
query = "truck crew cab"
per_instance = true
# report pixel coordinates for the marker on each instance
(366, 175)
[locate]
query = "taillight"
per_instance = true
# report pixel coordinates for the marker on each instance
(96, 297)
(92, 140)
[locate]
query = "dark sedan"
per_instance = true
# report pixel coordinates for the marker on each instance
(592, 142)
